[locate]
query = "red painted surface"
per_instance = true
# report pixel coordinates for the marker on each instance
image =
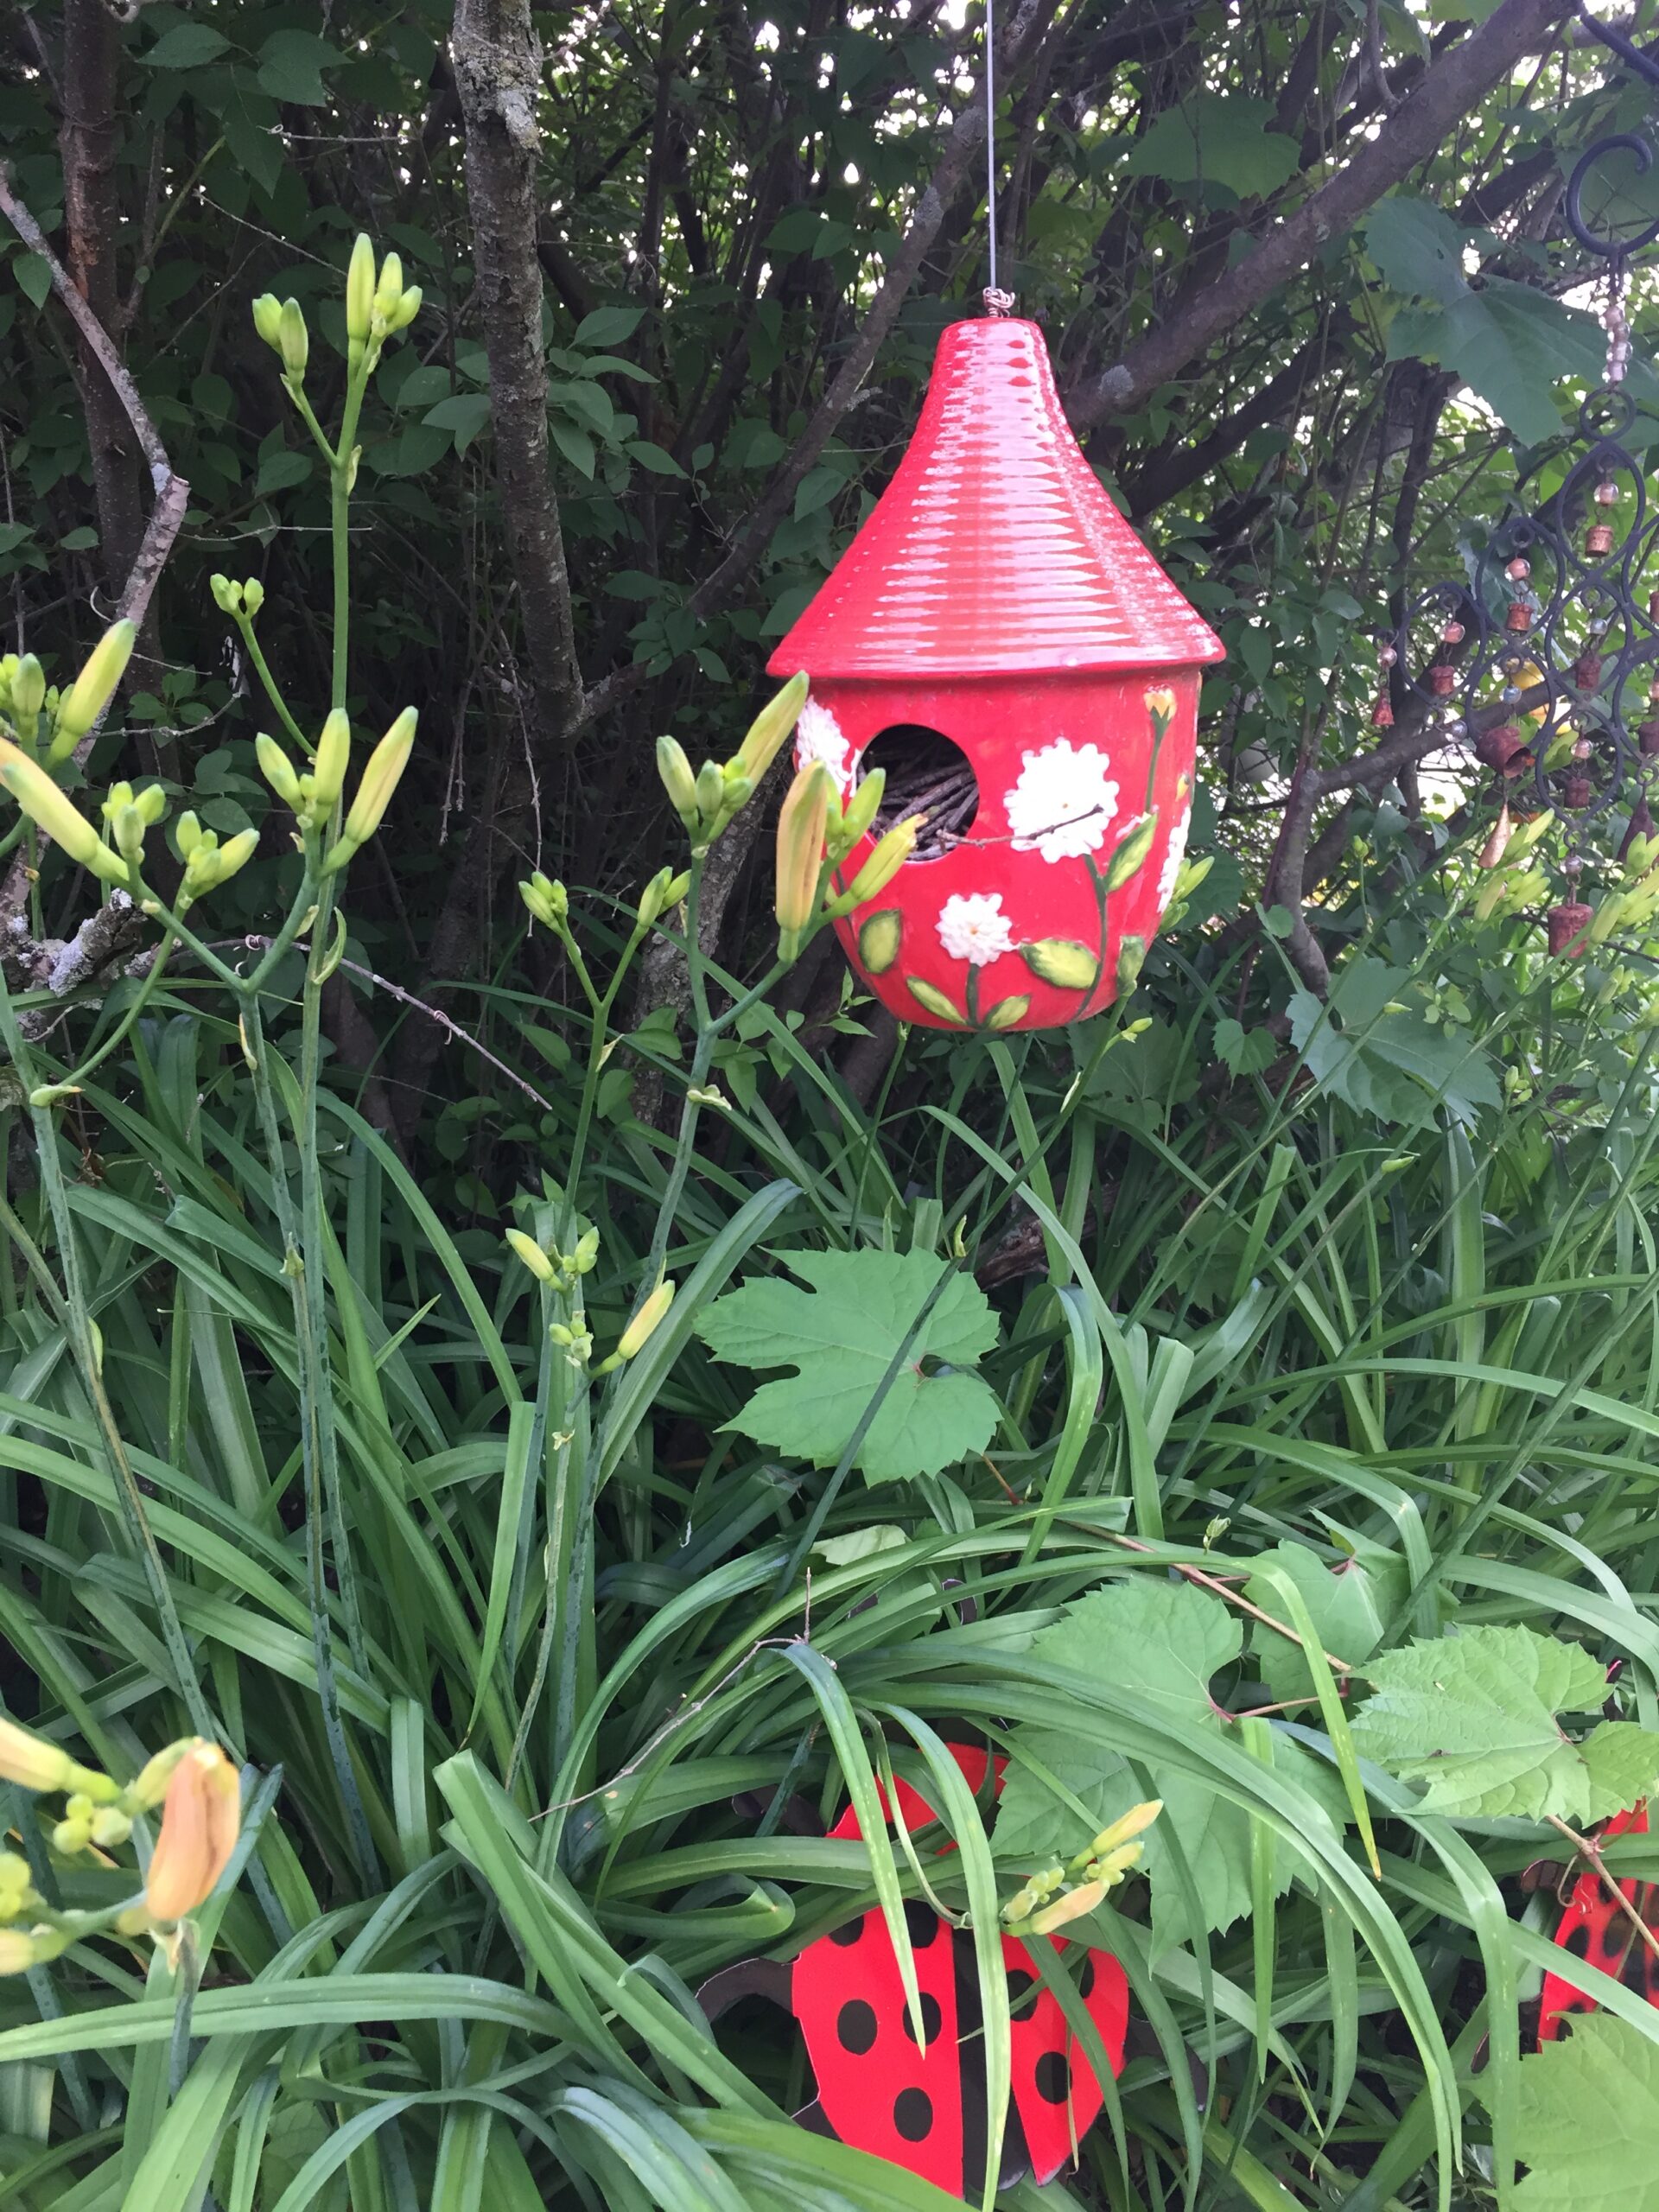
(1594, 1929)
(997, 595)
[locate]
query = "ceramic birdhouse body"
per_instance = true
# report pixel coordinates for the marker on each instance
(1001, 642)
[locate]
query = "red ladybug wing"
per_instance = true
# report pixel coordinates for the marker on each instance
(1594, 1929)
(1055, 2089)
(876, 2088)
(917, 1813)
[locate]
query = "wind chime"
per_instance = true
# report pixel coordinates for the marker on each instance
(999, 641)
(1545, 662)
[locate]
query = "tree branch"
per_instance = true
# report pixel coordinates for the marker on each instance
(1446, 93)
(966, 137)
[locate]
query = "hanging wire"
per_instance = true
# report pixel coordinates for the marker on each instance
(997, 301)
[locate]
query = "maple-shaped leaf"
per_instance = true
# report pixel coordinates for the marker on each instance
(840, 1334)
(1474, 1716)
(1163, 1641)
(1349, 1606)
(1588, 2126)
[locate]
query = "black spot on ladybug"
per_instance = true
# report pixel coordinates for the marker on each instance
(1020, 1985)
(1053, 2077)
(856, 2026)
(912, 2114)
(849, 1932)
(923, 1925)
(1086, 1985)
(932, 2019)
(1577, 1940)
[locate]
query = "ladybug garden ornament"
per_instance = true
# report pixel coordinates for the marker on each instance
(922, 2107)
(998, 640)
(1595, 1930)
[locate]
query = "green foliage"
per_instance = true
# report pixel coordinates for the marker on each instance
(842, 1334)
(1476, 1717)
(1375, 1044)
(1589, 2122)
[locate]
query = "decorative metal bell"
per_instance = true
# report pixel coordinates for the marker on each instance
(998, 638)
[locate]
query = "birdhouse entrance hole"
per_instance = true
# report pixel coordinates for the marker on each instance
(927, 773)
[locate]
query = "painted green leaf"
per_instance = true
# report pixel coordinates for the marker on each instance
(1131, 855)
(1474, 1717)
(1062, 961)
(1006, 1012)
(880, 936)
(840, 1332)
(927, 994)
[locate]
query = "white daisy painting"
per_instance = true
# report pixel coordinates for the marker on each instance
(1064, 802)
(973, 927)
(819, 736)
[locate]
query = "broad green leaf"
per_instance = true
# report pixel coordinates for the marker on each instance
(1218, 139)
(841, 1334)
(1418, 247)
(860, 1543)
(465, 414)
(291, 64)
(1374, 1046)
(1246, 1052)
(1589, 2121)
(186, 46)
(1509, 344)
(1474, 1717)
(1165, 1641)
(608, 327)
(1347, 1611)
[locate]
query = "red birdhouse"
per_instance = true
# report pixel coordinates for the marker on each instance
(998, 640)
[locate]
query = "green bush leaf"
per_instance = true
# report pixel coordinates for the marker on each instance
(186, 46)
(1244, 1052)
(1164, 1641)
(840, 1333)
(1349, 1609)
(1474, 1718)
(291, 65)
(608, 327)
(1588, 2126)
(1218, 139)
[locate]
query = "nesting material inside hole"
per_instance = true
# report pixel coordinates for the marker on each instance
(927, 773)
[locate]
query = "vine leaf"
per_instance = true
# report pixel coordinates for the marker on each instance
(1588, 2124)
(1475, 1718)
(1162, 1641)
(840, 1334)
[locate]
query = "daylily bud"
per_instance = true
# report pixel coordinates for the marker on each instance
(710, 791)
(800, 854)
(268, 320)
(332, 758)
(863, 808)
(633, 1338)
(187, 832)
(549, 903)
(359, 289)
(771, 726)
(1493, 850)
(235, 856)
(883, 863)
(18, 1952)
(1071, 1906)
(151, 804)
(31, 1762)
(253, 595)
(738, 792)
(27, 693)
(654, 898)
(227, 596)
(1123, 1830)
(73, 1836)
(379, 780)
(130, 834)
(532, 1254)
(277, 769)
(150, 1787)
(678, 779)
(48, 808)
(118, 795)
(95, 685)
(587, 1252)
(405, 311)
(200, 1821)
(389, 289)
(296, 341)
(110, 1826)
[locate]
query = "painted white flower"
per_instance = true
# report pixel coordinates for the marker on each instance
(1173, 860)
(818, 736)
(1064, 802)
(974, 927)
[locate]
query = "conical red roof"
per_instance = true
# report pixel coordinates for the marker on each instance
(995, 550)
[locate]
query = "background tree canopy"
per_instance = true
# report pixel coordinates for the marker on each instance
(1303, 272)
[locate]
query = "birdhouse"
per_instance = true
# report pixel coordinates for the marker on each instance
(998, 638)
